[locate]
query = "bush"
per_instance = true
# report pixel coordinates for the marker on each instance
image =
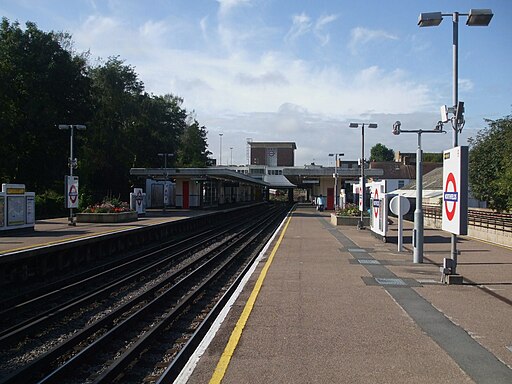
(350, 210)
(50, 204)
(108, 205)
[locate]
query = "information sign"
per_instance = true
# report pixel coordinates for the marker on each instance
(71, 191)
(455, 190)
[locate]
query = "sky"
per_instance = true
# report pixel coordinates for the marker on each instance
(301, 70)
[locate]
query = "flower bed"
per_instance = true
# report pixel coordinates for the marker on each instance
(109, 211)
(120, 217)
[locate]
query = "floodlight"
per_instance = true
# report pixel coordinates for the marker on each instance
(430, 19)
(372, 125)
(479, 17)
(396, 127)
(353, 125)
(444, 113)
(459, 113)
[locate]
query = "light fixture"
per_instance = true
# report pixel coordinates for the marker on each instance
(479, 17)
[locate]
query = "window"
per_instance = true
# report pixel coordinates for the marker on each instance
(401, 183)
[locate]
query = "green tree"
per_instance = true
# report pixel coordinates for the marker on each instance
(490, 164)
(380, 152)
(193, 150)
(42, 84)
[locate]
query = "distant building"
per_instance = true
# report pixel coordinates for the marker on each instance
(272, 153)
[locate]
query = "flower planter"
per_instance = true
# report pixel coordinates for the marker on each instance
(348, 220)
(120, 217)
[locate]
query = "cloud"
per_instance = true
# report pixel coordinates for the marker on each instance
(226, 6)
(267, 78)
(301, 24)
(360, 36)
(320, 25)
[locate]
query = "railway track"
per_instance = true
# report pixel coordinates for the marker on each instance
(138, 324)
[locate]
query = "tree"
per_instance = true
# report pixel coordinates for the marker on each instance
(380, 152)
(193, 150)
(42, 84)
(490, 164)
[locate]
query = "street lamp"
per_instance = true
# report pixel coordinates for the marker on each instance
(73, 163)
(166, 190)
(220, 148)
(476, 17)
(417, 234)
(361, 164)
(231, 149)
(336, 203)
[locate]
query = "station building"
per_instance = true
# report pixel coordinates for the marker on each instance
(271, 168)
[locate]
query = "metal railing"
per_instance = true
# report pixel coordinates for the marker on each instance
(476, 218)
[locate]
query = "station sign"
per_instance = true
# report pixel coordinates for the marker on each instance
(71, 191)
(455, 190)
(378, 211)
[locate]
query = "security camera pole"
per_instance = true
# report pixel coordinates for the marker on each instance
(417, 234)
(360, 224)
(475, 18)
(73, 163)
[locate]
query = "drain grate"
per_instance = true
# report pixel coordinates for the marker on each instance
(389, 281)
(355, 250)
(368, 261)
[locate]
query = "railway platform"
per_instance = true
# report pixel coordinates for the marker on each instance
(335, 305)
(57, 231)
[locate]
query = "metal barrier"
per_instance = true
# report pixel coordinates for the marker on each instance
(476, 218)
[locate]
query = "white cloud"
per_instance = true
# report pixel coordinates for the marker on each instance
(301, 24)
(226, 6)
(320, 25)
(360, 36)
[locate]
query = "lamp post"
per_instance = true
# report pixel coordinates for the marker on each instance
(361, 164)
(220, 148)
(231, 149)
(73, 163)
(336, 203)
(475, 17)
(417, 234)
(165, 155)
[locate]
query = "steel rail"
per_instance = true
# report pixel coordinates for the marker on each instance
(26, 372)
(156, 304)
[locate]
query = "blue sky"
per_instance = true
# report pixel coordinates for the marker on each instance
(275, 70)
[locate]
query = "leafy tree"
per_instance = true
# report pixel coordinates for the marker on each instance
(380, 152)
(433, 157)
(490, 164)
(42, 84)
(193, 150)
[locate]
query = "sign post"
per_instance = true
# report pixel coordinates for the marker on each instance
(400, 205)
(455, 194)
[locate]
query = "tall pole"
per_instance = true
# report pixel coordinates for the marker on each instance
(71, 221)
(335, 180)
(455, 102)
(231, 149)
(220, 148)
(363, 184)
(418, 212)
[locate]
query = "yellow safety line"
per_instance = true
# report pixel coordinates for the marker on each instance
(65, 240)
(225, 358)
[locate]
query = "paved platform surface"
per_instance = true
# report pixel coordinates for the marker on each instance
(55, 231)
(340, 306)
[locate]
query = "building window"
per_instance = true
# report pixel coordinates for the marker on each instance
(401, 184)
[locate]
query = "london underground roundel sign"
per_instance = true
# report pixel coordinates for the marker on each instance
(450, 196)
(376, 203)
(455, 190)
